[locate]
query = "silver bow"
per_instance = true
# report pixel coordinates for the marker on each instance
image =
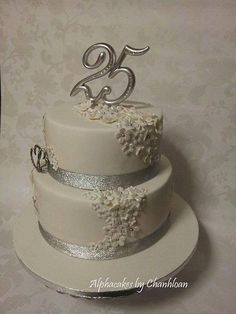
(39, 158)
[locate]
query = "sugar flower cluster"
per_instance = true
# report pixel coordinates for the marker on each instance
(119, 208)
(52, 157)
(138, 132)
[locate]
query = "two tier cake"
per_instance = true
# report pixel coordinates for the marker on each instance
(107, 189)
(102, 192)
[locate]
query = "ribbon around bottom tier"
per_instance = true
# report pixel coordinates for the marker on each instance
(102, 182)
(92, 253)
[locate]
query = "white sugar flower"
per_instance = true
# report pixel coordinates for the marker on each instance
(119, 208)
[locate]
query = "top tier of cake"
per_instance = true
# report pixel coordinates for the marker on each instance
(87, 146)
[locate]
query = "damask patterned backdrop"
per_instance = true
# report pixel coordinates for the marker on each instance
(190, 72)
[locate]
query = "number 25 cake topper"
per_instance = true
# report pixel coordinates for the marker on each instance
(113, 67)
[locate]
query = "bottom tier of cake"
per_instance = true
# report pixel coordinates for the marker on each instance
(113, 217)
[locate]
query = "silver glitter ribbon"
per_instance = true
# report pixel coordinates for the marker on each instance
(91, 182)
(87, 252)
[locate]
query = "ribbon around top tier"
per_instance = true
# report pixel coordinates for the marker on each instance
(92, 253)
(101, 182)
(41, 162)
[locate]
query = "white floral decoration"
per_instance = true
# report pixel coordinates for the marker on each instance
(103, 112)
(119, 208)
(52, 157)
(139, 133)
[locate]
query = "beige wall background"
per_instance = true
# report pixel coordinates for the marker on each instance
(190, 72)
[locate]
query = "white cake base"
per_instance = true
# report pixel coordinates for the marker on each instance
(73, 275)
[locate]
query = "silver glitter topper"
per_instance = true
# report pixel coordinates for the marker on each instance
(113, 67)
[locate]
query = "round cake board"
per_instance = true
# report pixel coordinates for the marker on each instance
(107, 278)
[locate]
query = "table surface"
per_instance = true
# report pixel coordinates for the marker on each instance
(190, 71)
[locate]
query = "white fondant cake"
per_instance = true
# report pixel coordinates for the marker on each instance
(89, 146)
(66, 212)
(103, 191)
(107, 186)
